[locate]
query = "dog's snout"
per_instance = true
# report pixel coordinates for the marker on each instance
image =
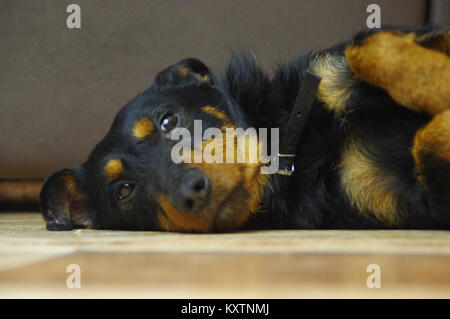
(193, 192)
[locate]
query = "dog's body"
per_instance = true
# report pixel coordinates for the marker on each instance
(375, 152)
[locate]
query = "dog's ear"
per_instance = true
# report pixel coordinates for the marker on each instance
(63, 201)
(186, 72)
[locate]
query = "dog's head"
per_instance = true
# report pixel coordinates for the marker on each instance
(131, 181)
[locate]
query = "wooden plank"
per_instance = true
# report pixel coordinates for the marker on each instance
(260, 264)
(232, 275)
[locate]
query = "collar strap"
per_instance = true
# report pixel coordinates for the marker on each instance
(297, 120)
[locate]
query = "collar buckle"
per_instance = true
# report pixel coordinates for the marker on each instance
(286, 164)
(297, 121)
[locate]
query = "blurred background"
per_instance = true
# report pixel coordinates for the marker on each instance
(60, 88)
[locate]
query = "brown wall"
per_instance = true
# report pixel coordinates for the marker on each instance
(60, 88)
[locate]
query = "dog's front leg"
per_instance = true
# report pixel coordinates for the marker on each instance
(413, 69)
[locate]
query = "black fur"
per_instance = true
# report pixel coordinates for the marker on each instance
(311, 198)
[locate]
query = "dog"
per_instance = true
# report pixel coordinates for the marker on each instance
(374, 152)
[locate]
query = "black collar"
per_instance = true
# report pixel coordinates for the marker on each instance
(295, 127)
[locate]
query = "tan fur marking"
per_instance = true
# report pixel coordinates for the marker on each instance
(335, 87)
(236, 192)
(218, 115)
(71, 190)
(143, 128)
(434, 139)
(415, 77)
(75, 194)
(184, 71)
(176, 220)
(366, 186)
(237, 186)
(113, 169)
(72, 187)
(204, 78)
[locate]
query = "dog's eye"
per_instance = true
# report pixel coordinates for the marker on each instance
(124, 190)
(168, 122)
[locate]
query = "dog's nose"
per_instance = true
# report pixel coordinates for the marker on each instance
(193, 192)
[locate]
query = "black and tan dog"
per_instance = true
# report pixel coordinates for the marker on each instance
(375, 151)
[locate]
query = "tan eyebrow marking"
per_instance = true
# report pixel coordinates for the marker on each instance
(218, 115)
(183, 71)
(143, 128)
(113, 168)
(203, 78)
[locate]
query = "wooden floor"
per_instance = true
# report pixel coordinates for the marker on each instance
(261, 264)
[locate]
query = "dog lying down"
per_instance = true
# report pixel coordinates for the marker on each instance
(364, 143)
